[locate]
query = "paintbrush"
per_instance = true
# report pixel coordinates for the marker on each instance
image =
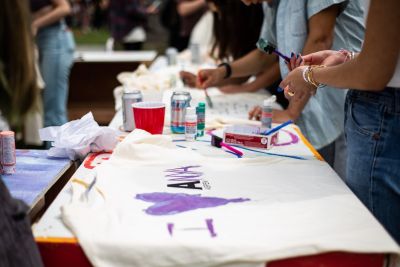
(218, 142)
(208, 98)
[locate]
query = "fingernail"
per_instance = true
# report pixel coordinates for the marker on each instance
(286, 62)
(292, 54)
(297, 56)
(280, 90)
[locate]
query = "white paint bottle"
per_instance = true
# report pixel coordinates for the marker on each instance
(190, 124)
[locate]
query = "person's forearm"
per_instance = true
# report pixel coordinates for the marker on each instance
(265, 78)
(57, 13)
(188, 8)
(252, 63)
(373, 68)
(238, 80)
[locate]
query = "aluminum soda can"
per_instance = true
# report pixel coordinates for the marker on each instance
(129, 98)
(180, 100)
(7, 152)
(195, 53)
(172, 56)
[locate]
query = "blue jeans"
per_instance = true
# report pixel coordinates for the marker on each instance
(372, 128)
(56, 51)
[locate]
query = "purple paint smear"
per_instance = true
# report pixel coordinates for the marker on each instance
(209, 223)
(169, 203)
(295, 139)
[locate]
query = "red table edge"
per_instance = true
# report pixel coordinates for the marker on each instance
(62, 252)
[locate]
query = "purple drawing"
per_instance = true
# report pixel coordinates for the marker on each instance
(183, 173)
(294, 139)
(169, 203)
(209, 223)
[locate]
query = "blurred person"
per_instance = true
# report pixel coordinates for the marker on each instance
(170, 20)
(304, 27)
(56, 47)
(128, 21)
(100, 14)
(372, 122)
(18, 91)
(190, 12)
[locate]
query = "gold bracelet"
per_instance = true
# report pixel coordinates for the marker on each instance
(311, 75)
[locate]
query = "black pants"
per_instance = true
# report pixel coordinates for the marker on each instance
(17, 246)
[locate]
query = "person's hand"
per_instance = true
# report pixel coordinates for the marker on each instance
(325, 57)
(295, 61)
(233, 88)
(189, 79)
(211, 77)
(255, 113)
(295, 87)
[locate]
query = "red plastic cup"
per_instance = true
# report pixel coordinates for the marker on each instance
(149, 116)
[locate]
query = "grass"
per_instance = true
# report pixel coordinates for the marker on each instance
(93, 37)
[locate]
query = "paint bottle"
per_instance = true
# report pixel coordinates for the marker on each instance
(190, 124)
(201, 118)
(195, 53)
(266, 114)
(172, 56)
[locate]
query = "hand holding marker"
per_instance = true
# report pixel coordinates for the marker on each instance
(208, 98)
(269, 48)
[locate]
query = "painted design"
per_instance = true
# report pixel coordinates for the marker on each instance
(95, 159)
(294, 139)
(209, 227)
(170, 203)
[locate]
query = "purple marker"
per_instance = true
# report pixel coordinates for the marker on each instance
(270, 48)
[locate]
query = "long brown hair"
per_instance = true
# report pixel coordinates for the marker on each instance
(236, 28)
(18, 84)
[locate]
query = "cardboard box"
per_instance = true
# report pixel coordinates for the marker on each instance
(249, 136)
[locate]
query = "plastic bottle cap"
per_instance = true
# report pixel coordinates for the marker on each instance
(202, 105)
(269, 100)
(190, 111)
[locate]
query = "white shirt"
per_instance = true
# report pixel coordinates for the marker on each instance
(395, 81)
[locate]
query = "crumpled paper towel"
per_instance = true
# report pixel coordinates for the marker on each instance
(77, 138)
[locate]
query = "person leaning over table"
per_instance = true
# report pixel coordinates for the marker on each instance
(231, 36)
(372, 122)
(18, 91)
(302, 27)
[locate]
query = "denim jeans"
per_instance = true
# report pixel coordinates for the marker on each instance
(56, 50)
(372, 128)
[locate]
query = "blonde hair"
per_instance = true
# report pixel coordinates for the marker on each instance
(18, 86)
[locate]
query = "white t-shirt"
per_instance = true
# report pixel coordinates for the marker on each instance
(395, 81)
